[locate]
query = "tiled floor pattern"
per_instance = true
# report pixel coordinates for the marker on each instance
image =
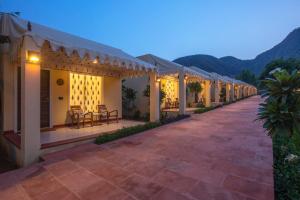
(220, 155)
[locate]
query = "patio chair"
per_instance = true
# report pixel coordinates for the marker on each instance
(103, 113)
(78, 116)
(168, 103)
(176, 103)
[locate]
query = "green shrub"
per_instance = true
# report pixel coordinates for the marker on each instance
(281, 115)
(281, 109)
(203, 110)
(137, 114)
(124, 132)
(196, 88)
(200, 105)
(286, 167)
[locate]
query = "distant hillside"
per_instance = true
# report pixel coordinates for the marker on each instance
(208, 63)
(229, 65)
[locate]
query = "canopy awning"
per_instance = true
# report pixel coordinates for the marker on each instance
(14, 28)
(216, 76)
(166, 67)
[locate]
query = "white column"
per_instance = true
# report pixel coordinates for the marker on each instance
(217, 91)
(232, 92)
(227, 85)
(154, 98)
(207, 91)
(238, 92)
(182, 93)
(30, 106)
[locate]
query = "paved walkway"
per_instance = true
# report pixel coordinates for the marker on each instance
(219, 155)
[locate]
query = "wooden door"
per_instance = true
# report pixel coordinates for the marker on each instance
(45, 98)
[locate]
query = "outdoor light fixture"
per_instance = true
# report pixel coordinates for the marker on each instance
(157, 79)
(185, 77)
(33, 57)
(95, 61)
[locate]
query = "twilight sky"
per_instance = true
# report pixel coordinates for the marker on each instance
(169, 28)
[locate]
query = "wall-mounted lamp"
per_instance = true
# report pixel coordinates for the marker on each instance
(33, 57)
(185, 77)
(95, 61)
(157, 79)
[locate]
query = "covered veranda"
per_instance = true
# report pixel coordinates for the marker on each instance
(220, 87)
(173, 81)
(45, 72)
(225, 89)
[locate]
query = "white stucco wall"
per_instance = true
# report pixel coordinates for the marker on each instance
(139, 84)
(60, 97)
(112, 94)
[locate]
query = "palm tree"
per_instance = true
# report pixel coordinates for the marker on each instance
(281, 109)
(195, 87)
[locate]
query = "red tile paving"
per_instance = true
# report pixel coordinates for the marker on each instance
(220, 155)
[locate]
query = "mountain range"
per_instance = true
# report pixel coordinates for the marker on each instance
(231, 66)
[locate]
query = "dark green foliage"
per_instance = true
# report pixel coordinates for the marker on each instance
(223, 94)
(124, 132)
(248, 77)
(206, 109)
(281, 115)
(146, 92)
(137, 114)
(200, 105)
(286, 173)
(162, 94)
(289, 65)
(195, 87)
(281, 109)
(128, 97)
(203, 110)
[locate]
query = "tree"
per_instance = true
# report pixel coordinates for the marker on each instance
(162, 94)
(289, 65)
(247, 76)
(128, 97)
(195, 87)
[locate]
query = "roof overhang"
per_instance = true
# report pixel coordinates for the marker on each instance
(13, 28)
(168, 68)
